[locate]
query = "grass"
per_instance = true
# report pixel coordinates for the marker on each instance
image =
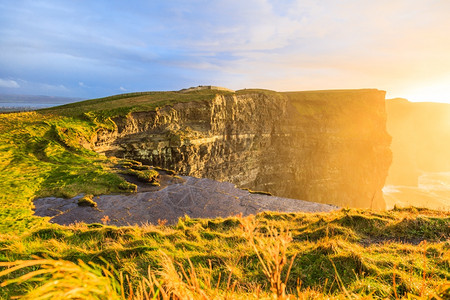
(47, 153)
(142, 172)
(257, 192)
(50, 151)
(102, 109)
(87, 200)
(403, 253)
(42, 155)
(149, 176)
(354, 252)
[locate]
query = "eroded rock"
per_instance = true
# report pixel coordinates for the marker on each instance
(197, 198)
(324, 146)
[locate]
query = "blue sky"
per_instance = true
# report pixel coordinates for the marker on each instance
(97, 48)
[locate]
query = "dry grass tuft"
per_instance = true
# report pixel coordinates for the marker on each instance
(271, 249)
(63, 279)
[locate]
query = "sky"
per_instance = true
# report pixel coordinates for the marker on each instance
(88, 49)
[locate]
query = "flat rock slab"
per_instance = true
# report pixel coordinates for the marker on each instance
(197, 198)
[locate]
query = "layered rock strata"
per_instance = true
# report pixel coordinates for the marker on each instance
(323, 146)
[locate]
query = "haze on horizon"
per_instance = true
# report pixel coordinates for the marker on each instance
(97, 48)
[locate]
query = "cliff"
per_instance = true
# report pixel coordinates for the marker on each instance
(324, 146)
(420, 139)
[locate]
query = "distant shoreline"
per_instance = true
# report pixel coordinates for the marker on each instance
(19, 103)
(21, 107)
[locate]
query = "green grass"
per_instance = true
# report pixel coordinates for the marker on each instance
(344, 254)
(150, 176)
(47, 153)
(41, 155)
(99, 110)
(87, 200)
(144, 173)
(367, 249)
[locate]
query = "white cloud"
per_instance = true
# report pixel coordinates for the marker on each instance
(8, 83)
(281, 45)
(237, 26)
(306, 44)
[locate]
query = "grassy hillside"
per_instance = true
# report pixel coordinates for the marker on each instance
(131, 102)
(345, 254)
(41, 155)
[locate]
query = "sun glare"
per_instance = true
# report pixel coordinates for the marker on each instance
(437, 91)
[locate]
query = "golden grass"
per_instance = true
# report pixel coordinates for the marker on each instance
(412, 271)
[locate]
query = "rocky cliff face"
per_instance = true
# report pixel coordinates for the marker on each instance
(326, 146)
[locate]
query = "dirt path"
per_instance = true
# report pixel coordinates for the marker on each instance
(197, 198)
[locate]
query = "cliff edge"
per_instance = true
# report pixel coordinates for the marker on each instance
(323, 146)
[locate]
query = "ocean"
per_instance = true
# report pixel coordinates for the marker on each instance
(10, 103)
(432, 191)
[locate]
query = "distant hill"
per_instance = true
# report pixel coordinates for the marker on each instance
(420, 139)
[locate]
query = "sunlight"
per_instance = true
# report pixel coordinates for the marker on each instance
(436, 91)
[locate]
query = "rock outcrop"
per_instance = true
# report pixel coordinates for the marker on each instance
(324, 146)
(197, 198)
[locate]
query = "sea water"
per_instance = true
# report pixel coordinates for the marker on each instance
(27, 105)
(29, 102)
(432, 191)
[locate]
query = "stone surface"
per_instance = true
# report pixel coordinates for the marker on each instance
(323, 146)
(197, 198)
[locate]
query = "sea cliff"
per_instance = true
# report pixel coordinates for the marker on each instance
(323, 146)
(420, 139)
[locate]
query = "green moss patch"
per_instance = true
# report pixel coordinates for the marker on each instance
(87, 200)
(146, 175)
